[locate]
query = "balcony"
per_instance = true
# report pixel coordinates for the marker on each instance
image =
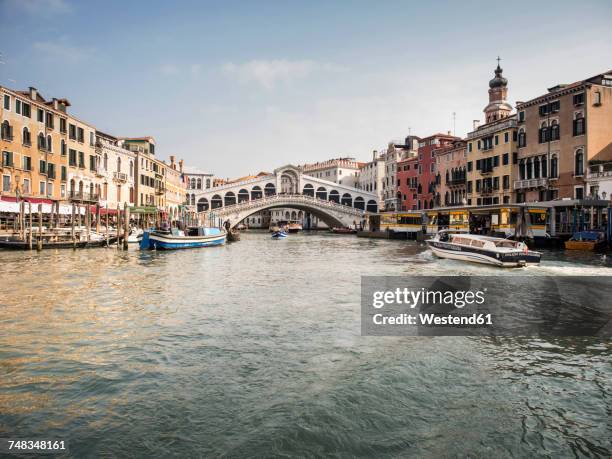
(101, 172)
(159, 190)
(599, 175)
(120, 176)
(456, 182)
(530, 183)
(84, 196)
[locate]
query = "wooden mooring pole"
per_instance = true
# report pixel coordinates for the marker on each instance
(30, 232)
(72, 221)
(118, 227)
(126, 229)
(39, 243)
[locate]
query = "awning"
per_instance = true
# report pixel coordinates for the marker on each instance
(13, 207)
(143, 209)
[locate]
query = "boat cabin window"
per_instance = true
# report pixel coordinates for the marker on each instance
(477, 243)
(461, 240)
(508, 244)
(409, 219)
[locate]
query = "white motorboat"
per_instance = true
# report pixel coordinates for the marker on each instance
(483, 249)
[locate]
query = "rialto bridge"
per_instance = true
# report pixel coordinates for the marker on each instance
(287, 187)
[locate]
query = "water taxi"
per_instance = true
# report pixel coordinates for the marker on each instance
(483, 249)
(279, 235)
(177, 239)
(344, 230)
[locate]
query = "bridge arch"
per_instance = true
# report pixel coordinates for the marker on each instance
(229, 199)
(308, 190)
(334, 196)
(243, 196)
(270, 189)
(216, 202)
(203, 204)
(347, 200)
(256, 192)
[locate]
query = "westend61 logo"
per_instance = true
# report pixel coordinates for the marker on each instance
(505, 305)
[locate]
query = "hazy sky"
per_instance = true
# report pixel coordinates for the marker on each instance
(238, 87)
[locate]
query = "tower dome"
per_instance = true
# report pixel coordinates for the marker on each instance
(499, 81)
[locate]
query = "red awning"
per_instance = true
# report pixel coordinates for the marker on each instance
(32, 200)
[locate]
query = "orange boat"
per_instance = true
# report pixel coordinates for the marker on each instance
(586, 240)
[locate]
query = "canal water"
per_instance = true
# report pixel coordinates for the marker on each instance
(254, 349)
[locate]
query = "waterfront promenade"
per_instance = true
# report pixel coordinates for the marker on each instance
(254, 349)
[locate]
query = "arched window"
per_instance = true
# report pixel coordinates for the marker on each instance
(543, 133)
(579, 124)
(42, 142)
(308, 190)
(544, 163)
(105, 161)
(522, 138)
(26, 137)
(199, 183)
(554, 167)
(554, 131)
(579, 162)
(118, 164)
(529, 169)
(536, 168)
(131, 168)
(6, 131)
(192, 183)
(49, 144)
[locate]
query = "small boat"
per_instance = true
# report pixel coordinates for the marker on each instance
(20, 244)
(177, 239)
(483, 249)
(135, 235)
(586, 240)
(294, 227)
(344, 230)
(275, 229)
(279, 235)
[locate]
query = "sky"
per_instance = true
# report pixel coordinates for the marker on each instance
(235, 88)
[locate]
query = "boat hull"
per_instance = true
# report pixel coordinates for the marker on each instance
(505, 260)
(584, 245)
(158, 241)
(21, 245)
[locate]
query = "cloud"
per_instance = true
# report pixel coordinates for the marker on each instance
(169, 69)
(41, 7)
(270, 73)
(62, 51)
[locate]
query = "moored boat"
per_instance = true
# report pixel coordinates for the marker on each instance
(483, 249)
(177, 239)
(64, 243)
(586, 240)
(344, 230)
(294, 227)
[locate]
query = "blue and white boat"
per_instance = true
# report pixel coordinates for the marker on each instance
(279, 235)
(177, 239)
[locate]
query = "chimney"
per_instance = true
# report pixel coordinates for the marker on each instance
(33, 93)
(374, 153)
(181, 166)
(448, 132)
(172, 162)
(475, 124)
(55, 104)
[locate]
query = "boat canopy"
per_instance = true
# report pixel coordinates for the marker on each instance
(587, 236)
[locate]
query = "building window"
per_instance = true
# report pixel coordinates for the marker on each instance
(49, 144)
(72, 157)
(7, 102)
(522, 138)
(80, 135)
(554, 167)
(72, 132)
(7, 159)
(26, 110)
(505, 159)
(579, 192)
(579, 162)
(6, 183)
(26, 186)
(554, 131)
(543, 133)
(597, 98)
(6, 131)
(506, 182)
(63, 125)
(27, 163)
(42, 188)
(26, 137)
(579, 124)
(579, 99)
(63, 147)
(40, 116)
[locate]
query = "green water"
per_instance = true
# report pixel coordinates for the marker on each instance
(254, 349)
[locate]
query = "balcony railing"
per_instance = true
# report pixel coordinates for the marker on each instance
(599, 175)
(84, 196)
(455, 182)
(160, 190)
(120, 176)
(530, 183)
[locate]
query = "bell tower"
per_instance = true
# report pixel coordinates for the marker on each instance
(498, 106)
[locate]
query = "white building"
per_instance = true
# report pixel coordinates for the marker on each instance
(195, 181)
(116, 169)
(371, 177)
(599, 180)
(340, 170)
